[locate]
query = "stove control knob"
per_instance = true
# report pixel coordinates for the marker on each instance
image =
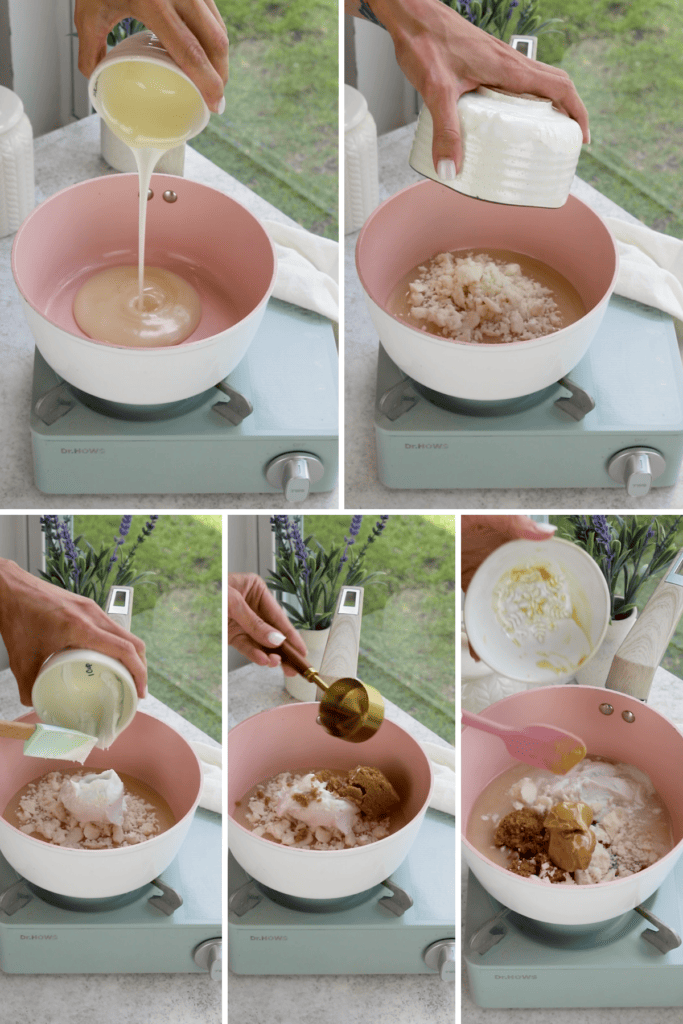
(636, 468)
(293, 473)
(209, 956)
(440, 956)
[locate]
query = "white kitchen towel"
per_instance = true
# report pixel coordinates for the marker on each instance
(443, 766)
(650, 266)
(211, 760)
(307, 269)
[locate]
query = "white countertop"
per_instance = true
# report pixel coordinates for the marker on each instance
(362, 487)
(328, 999)
(108, 998)
(666, 696)
(62, 158)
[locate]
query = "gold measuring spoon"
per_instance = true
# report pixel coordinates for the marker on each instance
(349, 709)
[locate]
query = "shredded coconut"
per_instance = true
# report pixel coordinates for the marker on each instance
(288, 789)
(42, 814)
(478, 299)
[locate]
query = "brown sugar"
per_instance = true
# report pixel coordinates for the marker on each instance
(367, 787)
(522, 831)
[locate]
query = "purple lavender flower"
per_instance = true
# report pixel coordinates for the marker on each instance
(300, 549)
(69, 549)
(354, 530)
(124, 529)
(604, 537)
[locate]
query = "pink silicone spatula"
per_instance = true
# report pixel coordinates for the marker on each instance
(544, 746)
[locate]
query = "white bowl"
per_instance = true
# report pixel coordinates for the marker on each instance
(526, 645)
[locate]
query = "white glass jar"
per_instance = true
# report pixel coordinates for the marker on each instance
(17, 183)
(361, 179)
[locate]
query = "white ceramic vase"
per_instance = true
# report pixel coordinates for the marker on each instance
(597, 670)
(316, 642)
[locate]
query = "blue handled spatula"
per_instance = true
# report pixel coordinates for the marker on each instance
(49, 741)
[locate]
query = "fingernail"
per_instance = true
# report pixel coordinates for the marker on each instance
(546, 527)
(446, 170)
(589, 136)
(276, 638)
(221, 106)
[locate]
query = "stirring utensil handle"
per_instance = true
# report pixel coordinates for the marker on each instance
(291, 656)
(485, 724)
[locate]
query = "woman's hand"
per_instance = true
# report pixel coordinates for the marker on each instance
(38, 619)
(444, 55)
(481, 535)
(256, 620)
(192, 31)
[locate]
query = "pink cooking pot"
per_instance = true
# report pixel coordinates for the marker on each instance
(204, 236)
(425, 219)
(151, 752)
(287, 738)
(633, 733)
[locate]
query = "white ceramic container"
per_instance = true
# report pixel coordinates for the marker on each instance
(517, 150)
(17, 184)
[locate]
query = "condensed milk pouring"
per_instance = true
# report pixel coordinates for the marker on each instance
(152, 106)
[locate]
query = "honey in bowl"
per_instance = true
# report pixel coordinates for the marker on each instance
(151, 109)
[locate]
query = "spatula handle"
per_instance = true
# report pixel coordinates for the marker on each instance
(636, 661)
(485, 724)
(16, 730)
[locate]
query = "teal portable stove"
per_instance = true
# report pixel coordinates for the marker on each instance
(615, 421)
(171, 926)
(633, 960)
(405, 925)
(270, 426)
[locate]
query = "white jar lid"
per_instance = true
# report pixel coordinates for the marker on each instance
(355, 108)
(11, 109)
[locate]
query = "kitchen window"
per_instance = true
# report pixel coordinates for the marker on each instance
(407, 648)
(178, 614)
(279, 132)
(625, 60)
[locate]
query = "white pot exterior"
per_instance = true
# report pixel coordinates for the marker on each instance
(321, 874)
(91, 874)
(596, 671)
(485, 372)
(571, 904)
(144, 376)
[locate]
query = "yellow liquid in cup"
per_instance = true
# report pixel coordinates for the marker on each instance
(152, 109)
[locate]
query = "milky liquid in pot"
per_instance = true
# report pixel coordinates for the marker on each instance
(495, 799)
(165, 817)
(397, 817)
(565, 295)
(151, 109)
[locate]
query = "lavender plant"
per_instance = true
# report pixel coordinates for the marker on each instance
(627, 551)
(496, 17)
(304, 570)
(126, 27)
(74, 565)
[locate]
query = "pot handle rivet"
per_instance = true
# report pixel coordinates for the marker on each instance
(606, 709)
(150, 194)
(170, 196)
(628, 716)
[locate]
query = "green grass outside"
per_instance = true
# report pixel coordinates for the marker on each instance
(178, 615)
(279, 131)
(407, 639)
(625, 60)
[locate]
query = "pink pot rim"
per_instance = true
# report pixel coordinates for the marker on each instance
(157, 352)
